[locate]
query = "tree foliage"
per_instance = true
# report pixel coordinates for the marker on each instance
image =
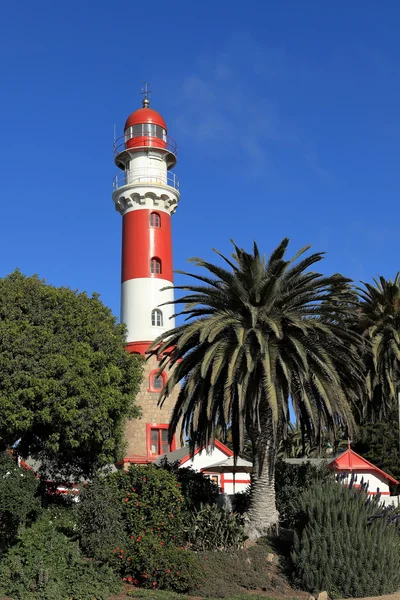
(379, 443)
(379, 322)
(66, 382)
(256, 334)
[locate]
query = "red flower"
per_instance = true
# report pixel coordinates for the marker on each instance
(168, 570)
(130, 578)
(139, 538)
(126, 499)
(129, 559)
(124, 579)
(154, 583)
(135, 582)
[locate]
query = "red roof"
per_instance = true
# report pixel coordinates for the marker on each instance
(351, 461)
(145, 115)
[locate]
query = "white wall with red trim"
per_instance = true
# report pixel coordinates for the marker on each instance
(205, 458)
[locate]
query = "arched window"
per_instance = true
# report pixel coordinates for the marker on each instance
(157, 381)
(155, 220)
(156, 318)
(155, 266)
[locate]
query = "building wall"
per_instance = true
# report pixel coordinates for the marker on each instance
(375, 481)
(135, 429)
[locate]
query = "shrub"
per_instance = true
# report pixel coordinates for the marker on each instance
(290, 481)
(148, 563)
(196, 488)
(241, 501)
(46, 565)
(99, 521)
(150, 500)
(19, 502)
(214, 528)
(341, 548)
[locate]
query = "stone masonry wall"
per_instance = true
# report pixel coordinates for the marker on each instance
(135, 429)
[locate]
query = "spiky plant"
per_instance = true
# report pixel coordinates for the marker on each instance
(256, 335)
(380, 326)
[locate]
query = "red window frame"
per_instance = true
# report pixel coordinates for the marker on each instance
(155, 266)
(160, 428)
(152, 377)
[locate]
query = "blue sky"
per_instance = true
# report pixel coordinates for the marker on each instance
(286, 116)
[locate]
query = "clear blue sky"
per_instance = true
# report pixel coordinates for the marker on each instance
(286, 116)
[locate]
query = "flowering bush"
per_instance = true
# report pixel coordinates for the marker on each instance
(147, 562)
(150, 500)
(196, 488)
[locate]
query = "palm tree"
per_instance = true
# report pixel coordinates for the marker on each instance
(379, 319)
(256, 336)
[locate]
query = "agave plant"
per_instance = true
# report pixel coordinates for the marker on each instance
(257, 335)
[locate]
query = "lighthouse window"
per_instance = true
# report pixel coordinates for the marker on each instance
(149, 129)
(159, 440)
(156, 318)
(155, 220)
(157, 382)
(155, 266)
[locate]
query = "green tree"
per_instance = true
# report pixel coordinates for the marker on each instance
(379, 321)
(379, 443)
(66, 382)
(256, 336)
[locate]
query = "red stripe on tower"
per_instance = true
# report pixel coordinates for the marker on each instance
(146, 245)
(146, 193)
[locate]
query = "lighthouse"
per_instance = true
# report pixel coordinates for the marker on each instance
(146, 194)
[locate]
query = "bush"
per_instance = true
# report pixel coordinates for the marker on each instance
(150, 500)
(290, 482)
(341, 547)
(196, 488)
(241, 501)
(46, 565)
(19, 502)
(214, 528)
(99, 521)
(148, 563)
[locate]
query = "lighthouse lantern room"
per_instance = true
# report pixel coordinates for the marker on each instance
(146, 194)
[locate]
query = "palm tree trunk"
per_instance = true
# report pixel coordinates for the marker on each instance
(263, 514)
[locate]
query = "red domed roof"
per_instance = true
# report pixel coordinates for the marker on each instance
(145, 115)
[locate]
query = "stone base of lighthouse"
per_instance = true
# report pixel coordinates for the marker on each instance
(146, 437)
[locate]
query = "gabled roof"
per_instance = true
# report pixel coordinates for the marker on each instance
(183, 454)
(351, 461)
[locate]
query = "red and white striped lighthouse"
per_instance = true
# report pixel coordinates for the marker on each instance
(146, 194)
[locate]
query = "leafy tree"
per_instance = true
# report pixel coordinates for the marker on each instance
(255, 336)
(66, 382)
(379, 321)
(379, 443)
